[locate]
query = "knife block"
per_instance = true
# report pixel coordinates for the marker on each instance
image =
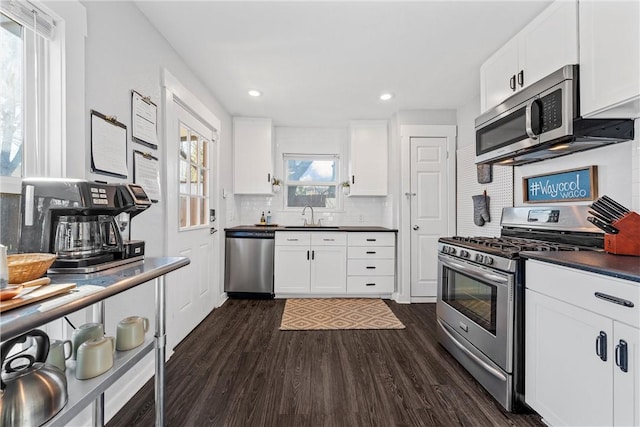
(627, 241)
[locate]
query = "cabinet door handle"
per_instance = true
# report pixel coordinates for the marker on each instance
(292, 240)
(371, 252)
(268, 177)
(615, 300)
(521, 78)
(307, 255)
(313, 254)
(353, 179)
(370, 284)
(370, 267)
(329, 240)
(601, 346)
(622, 356)
(371, 240)
(512, 83)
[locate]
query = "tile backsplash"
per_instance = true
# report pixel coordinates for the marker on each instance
(372, 211)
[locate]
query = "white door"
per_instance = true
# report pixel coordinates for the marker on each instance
(191, 180)
(566, 382)
(328, 269)
(626, 376)
(496, 76)
(429, 211)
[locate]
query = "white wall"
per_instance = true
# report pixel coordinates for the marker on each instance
(500, 190)
(124, 52)
(614, 171)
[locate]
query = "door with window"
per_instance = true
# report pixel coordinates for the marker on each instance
(190, 182)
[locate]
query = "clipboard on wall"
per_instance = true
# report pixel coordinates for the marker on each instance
(146, 172)
(108, 145)
(144, 120)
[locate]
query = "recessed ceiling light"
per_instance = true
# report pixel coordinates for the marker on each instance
(386, 96)
(254, 92)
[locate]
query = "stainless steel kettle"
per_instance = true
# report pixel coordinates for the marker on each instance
(32, 393)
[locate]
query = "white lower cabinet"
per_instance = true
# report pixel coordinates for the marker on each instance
(334, 263)
(582, 359)
(310, 262)
(371, 264)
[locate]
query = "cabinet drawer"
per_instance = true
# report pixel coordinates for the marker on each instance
(322, 238)
(370, 284)
(292, 238)
(579, 288)
(372, 239)
(372, 252)
(373, 267)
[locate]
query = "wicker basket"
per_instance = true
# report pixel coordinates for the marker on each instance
(25, 267)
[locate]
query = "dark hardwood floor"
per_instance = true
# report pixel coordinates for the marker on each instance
(237, 369)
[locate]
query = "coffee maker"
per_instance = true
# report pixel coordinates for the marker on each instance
(76, 219)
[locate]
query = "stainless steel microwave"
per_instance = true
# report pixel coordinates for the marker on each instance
(543, 121)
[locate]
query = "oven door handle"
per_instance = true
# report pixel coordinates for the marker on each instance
(474, 271)
(490, 369)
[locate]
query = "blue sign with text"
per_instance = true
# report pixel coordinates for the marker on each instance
(570, 185)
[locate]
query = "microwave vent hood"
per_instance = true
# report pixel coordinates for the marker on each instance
(543, 121)
(588, 134)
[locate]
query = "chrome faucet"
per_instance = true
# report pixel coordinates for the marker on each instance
(303, 212)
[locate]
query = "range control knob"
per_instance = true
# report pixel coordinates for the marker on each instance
(464, 254)
(452, 251)
(488, 260)
(444, 249)
(479, 258)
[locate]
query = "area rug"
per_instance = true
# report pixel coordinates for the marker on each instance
(337, 313)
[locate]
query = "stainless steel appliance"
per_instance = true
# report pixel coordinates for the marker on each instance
(32, 391)
(480, 302)
(543, 121)
(76, 220)
(249, 263)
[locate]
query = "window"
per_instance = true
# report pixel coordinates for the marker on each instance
(194, 183)
(25, 33)
(311, 180)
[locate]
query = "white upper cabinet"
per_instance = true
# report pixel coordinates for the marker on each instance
(368, 152)
(610, 59)
(547, 44)
(252, 155)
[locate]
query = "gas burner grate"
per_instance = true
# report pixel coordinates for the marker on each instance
(513, 245)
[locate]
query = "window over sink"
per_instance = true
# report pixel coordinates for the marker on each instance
(311, 180)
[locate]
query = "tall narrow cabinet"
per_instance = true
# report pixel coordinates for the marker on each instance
(368, 151)
(252, 155)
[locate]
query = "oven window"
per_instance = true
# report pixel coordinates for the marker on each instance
(505, 131)
(473, 298)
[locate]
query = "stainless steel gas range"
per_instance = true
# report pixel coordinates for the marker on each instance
(480, 304)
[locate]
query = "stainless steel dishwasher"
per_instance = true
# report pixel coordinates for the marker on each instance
(248, 269)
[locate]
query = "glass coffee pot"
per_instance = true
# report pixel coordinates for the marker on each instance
(79, 236)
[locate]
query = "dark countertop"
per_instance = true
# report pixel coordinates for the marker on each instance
(367, 228)
(621, 266)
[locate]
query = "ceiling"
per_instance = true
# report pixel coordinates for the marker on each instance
(321, 63)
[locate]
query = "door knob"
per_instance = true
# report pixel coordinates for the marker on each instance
(416, 227)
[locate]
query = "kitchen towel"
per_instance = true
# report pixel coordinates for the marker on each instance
(484, 174)
(481, 209)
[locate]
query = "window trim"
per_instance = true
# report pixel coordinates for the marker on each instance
(311, 156)
(43, 123)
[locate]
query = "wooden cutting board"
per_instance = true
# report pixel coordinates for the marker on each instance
(43, 292)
